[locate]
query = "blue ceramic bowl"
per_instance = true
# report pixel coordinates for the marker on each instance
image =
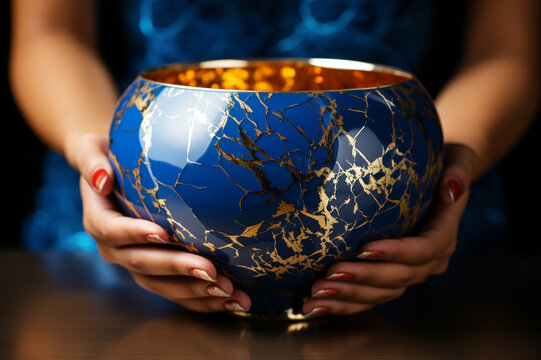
(276, 169)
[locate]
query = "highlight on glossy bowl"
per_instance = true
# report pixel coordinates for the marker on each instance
(276, 169)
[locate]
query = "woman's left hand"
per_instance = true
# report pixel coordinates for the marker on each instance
(387, 267)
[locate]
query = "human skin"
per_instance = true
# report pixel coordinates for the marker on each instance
(484, 109)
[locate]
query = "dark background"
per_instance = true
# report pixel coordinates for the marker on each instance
(22, 154)
(22, 151)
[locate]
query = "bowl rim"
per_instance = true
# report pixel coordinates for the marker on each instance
(331, 63)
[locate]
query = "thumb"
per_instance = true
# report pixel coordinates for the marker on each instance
(89, 157)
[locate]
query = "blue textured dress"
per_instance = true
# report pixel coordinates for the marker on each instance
(154, 32)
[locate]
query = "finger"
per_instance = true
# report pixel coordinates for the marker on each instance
(415, 251)
(381, 274)
(177, 288)
(238, 302)
(436, 240)
(328, 289)
(316, 307)
(158, 261)
(106, 225)
(460, 163)
(92, 162)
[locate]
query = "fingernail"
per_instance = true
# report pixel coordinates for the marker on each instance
(454, 190)
(99, 179)
(216, 291)
(324, 293)
(202, 274)
(316, 312)
(155, 239)
(369, 255)
(234, 306)
(339, 276)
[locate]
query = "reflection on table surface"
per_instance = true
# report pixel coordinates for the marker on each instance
(66, 306)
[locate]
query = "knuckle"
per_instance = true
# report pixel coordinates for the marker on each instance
(366, 276)
(196, 291)
(441, 268)
(87, 224)
(322, 284)
(385, 298)
(420, 279)
(105, 254)
(405, 278)
(449, 251)
(140, 280)
(192, 290)
(97, 232)
(354, 294)
(135, 263)
(391, 295)
(149, 285)
(426, 255)
(177, 266)
(103, 231)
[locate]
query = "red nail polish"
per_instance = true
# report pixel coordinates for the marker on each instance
(453, 187)
(99, 179)
(155, 239)
(316, 312)
(340, 276)
(326, 293)
(370, 255)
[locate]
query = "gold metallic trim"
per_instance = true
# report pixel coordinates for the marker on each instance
(241, 63)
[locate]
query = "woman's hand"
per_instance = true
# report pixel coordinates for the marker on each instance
(388, 267)
(187, 279)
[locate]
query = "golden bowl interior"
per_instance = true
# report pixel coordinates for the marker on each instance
(275, 76)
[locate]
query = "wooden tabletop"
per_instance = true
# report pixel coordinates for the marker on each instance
(76, 306)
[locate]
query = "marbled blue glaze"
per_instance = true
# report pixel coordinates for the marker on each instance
(154, 32)
(274, 187)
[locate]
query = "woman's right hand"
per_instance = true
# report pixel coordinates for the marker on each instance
(185, 278)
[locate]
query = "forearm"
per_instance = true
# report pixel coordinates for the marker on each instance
(62, 88)
(488, 106)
